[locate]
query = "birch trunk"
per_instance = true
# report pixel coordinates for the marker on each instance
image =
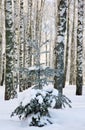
(9, 89)
(21, 49)
(67, 45)
(16, 42)
(28, 39)
(79, 75)
(73, 48)
(59, 45)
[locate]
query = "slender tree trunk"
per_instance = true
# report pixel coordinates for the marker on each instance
(73, 57)
(2, 30)
(28, 56)
(50, 50)
(46, 49)
(56, 3)
(59, 47)
(79, 75)
(3, 70)
(67, 47)
(21, 49)
(0, 58)
(37, 37)
(2, 81)
(28, 39)
(16, 42)
(1, 41)
(9, 90)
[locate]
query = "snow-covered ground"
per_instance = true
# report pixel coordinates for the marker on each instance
(65, 119)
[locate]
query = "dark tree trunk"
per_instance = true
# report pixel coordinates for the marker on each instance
(59, 46)
(79, 75)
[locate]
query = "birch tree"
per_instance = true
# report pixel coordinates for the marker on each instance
(21, 48)
(59, 45)
(28, 59)
(16, 41)
(67, 44)
(9, 90)
(73, 48)
(79, 75)
(28, 39)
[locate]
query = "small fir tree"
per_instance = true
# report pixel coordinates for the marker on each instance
(39, 99)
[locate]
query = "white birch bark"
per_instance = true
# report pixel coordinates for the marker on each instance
(9, 90)
(16, 42)
(59, 45)
(21, 49)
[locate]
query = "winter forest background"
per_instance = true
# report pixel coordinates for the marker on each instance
(42, 43)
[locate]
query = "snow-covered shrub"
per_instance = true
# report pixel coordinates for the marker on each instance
(36, 104)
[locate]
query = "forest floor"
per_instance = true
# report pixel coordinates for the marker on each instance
(65, 119)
